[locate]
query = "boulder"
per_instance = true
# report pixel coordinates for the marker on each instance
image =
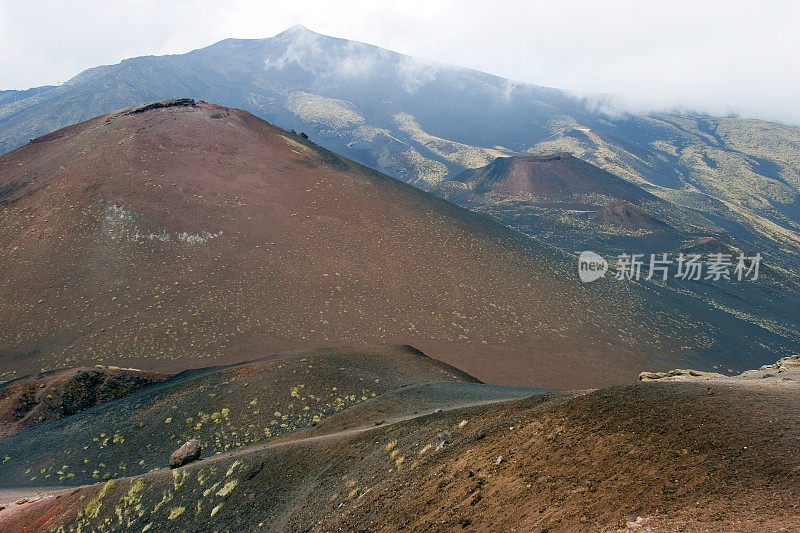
(190, 451)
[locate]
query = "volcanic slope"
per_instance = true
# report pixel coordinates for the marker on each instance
(684, 451)
(419, 121)
(229, 407)
(576, 206)
(559, 185)
(176, 234)
(31, 400)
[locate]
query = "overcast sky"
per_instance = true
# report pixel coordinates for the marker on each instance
(718, 57)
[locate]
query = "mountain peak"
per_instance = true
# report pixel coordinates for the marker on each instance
(297, 29)
(548, 177)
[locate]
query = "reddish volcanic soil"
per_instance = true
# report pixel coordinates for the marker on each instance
(551, 179)
(628, 216)
(690, 452)
(190, 234)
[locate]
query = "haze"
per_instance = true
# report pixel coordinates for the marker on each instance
(715, 57)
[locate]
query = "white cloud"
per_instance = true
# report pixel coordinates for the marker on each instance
(415, 73)
(714, 56)
(306, 50)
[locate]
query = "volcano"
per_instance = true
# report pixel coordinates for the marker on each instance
(560, 183)
(181, 234)
(553, 178)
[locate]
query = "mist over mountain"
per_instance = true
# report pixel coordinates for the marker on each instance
(421, 122)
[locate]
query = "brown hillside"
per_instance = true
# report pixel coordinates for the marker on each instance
(557, 178)
(183, 234)
(684, 452)
(32, 400)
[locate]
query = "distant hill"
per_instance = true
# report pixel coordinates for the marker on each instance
(561, 183)
(170, 235)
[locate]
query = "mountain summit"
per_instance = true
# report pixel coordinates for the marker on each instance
(562, 183)
(550, 178)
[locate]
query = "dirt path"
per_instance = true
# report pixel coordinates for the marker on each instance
(293, 439)
(15, 501)
(10, 496)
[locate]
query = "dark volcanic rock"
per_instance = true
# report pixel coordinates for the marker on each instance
(47, 396)
(187, 453)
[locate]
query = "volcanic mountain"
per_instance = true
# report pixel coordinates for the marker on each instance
(555, 178)
(420, 121)
(560, 183)
(423, 122)
(181, 233)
